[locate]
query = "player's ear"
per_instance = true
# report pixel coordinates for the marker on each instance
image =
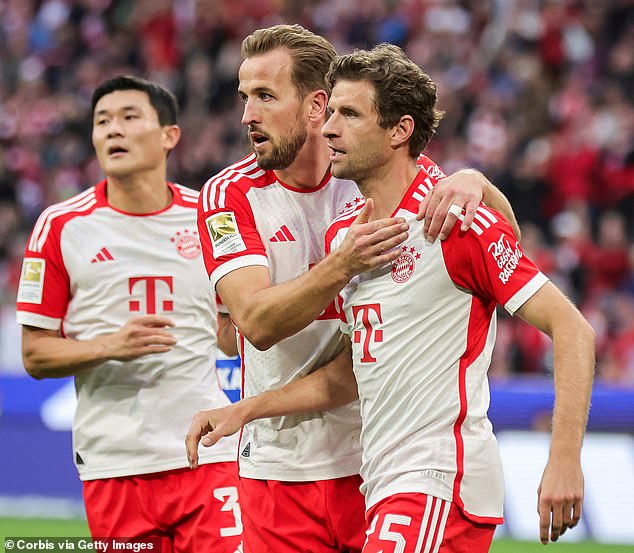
(171, 136)
(317, 104)
(402, 131)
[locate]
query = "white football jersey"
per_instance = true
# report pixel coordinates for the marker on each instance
(248, 217)
(88, 269)
(422, 331)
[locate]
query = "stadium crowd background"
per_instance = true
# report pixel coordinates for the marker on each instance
(538, 94)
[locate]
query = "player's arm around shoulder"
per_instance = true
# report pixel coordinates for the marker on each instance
(47, 354)
(266, 313)
(560, 493)
(458, 197)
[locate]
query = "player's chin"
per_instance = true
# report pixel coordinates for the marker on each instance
(339, 170)
(119, 170)
(264, 159)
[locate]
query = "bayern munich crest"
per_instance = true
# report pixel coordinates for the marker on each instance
(187, 244)
(403, 268)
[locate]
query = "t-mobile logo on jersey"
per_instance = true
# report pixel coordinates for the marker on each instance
(155, 286)
(371, 334)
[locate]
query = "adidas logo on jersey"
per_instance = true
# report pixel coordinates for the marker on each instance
(102, 255)
(283, 235)
(246, 452)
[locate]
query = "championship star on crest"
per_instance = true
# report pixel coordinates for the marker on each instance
(403, 268)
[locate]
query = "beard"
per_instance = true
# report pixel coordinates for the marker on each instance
(283, 152)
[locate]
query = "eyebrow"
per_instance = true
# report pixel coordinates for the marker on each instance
(256, 90)
(124, 108)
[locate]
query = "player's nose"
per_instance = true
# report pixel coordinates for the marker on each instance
(250, 114)
(329, 129)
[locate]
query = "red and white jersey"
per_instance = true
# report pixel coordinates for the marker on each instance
(88, 269)
(422, 332)
(248, 217)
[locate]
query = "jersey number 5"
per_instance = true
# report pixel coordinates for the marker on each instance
(387, 534)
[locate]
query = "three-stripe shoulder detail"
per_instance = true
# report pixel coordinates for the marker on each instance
(215, 189)
(422, 190)
(78, 205)
(188, 195)
(484, 219)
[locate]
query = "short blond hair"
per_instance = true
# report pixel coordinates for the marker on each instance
(311, 54)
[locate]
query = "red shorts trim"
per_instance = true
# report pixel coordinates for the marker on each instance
(325, 516)
(191, 510)
(415, 522)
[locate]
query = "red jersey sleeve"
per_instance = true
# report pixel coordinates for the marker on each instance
(489, 260)
(228, 233)
(44, 290)
(431, 168)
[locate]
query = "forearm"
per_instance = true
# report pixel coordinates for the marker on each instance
(331, 386)
(573, 347)
(266, 314)
(574, 371)
(57, 357)
(277, 312)
(227, 340)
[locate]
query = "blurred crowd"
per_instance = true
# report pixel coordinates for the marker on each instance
(538, 94)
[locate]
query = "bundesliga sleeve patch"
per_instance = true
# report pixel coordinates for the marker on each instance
(31, 280)
(223, 231)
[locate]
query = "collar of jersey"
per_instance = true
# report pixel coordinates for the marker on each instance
(102, 199)
(323, 183)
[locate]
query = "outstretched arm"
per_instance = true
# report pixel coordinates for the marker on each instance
(331, 386)
(560, 493)
(465, 189)
(266, 314)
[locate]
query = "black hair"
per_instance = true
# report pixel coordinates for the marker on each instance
(161, 99)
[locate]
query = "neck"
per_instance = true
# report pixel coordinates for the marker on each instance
(387, 185)
(310, 165)
(138, 193)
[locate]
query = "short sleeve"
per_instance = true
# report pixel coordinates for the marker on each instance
(44, 289)
(488, 260)
(228, 234)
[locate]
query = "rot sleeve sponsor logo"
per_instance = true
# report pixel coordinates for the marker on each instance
(435, 172)
(506, 257)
